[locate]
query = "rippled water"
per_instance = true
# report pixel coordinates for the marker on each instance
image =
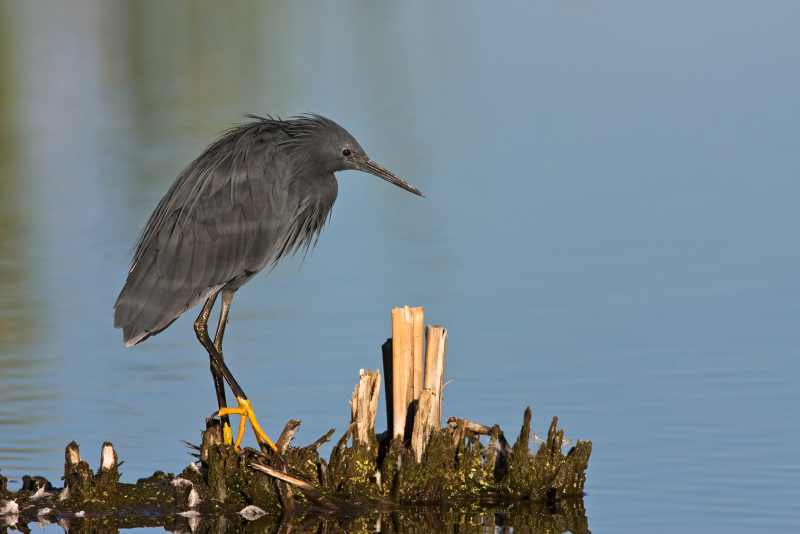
(609, 232)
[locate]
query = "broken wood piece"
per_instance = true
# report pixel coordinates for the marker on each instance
(402, 366)
(286, 496)
(424, 423)
(287, 435)
(211, 437)
(469, 426)
(280, 475)
(417, 350)
(108, 472)
(285, 493)
(72, 454)
(78, 476)
(524, 437)
(435, 355)
(500, 442)
(108, 457)
(459, 432)
(364, 406)
(310, 491)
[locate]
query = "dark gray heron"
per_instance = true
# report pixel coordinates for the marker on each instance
(262, 191)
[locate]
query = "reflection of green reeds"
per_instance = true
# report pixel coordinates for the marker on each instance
(200, 66)
(15, 312)
(20, 385)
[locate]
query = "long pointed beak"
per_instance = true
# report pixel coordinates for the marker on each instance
(371, 167)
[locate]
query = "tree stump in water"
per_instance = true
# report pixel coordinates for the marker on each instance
(417, 461)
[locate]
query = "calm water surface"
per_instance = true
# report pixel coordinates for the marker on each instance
(609, 234)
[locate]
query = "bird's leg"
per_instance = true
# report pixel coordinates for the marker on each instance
(243, 409)
(201, 329)
(227, 297)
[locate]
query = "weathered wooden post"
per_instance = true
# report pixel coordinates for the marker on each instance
(406, 365)
(435, 366)
(108, 474)
(424, 423)
(414, 373)
(77, 474)
(417, 349)
(428, 416)
(364, 406)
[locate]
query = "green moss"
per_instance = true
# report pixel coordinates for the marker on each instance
(232, 484)
(456, 468)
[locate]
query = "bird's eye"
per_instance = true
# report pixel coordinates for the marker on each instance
(346, 152)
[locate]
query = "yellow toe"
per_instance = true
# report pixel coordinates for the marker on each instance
(245, 411)
(227, 434)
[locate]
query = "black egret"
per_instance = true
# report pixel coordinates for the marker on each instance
(262, 191)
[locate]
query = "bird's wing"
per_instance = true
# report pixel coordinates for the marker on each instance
(219, 221)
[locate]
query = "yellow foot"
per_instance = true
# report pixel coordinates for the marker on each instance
(227, 434)
(247, 414)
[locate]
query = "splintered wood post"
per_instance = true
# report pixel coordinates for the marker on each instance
(424, 423)
(108, 457)
(78, 476)
(434, 369)
(72, 456)
(211, 437)
(108, 474)
(417, 350)
(364, 406)
(402, 365)
(287, 435)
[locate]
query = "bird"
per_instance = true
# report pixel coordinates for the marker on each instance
(262, 191)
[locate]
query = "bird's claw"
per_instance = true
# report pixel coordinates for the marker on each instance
(227, 433)
(245, 412)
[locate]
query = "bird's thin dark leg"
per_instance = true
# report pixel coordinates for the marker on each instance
(218, 367)
(227, 297)
(201, 329)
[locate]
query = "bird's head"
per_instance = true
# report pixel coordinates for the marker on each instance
(321, 142)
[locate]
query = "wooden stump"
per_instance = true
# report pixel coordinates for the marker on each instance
(415, 463)
(364, 407)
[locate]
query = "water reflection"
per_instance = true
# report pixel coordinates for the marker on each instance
(523, 518)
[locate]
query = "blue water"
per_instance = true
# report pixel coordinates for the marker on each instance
(609, 233)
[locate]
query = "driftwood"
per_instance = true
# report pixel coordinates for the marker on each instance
(366, 473)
